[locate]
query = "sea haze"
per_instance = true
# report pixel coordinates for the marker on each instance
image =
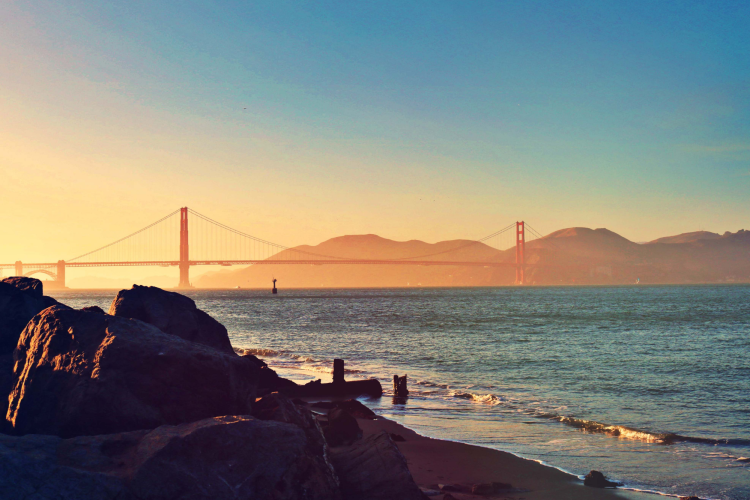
(649, 384)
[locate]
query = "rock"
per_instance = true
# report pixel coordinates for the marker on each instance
(171, 313)
(429, 492)
(49, 302)
(596, 479)
(448, 496)
(268, 380)
(222, 457)
(31, 286)
(20, 299)
(690, 498)
(487, 489)
(280, 408)
(94, 309)
(374, 469)
(397, 438)
(6, 385)
(342, 428)
(84, 373)
(356, 409)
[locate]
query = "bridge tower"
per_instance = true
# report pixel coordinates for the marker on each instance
(184, 250)
(19, 268)
(61, 273)
(520, 250)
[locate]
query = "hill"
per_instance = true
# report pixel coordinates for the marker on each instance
(575, 255)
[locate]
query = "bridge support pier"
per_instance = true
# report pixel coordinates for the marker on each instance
(61, 274)
(19, 268)
(184, 250)
(520, 250)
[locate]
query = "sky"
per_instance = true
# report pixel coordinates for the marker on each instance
(432, 120)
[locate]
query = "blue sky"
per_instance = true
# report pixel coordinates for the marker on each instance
(300, 121)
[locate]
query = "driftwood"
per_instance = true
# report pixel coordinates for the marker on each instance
(399, 386)
(339, 387)
(355, 388)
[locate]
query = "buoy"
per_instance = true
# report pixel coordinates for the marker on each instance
(274, 291)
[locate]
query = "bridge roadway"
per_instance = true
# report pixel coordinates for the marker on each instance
(313, 262)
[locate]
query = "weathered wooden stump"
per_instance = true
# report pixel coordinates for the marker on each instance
(399, 386)
(338, 371)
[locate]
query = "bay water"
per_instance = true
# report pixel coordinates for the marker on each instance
(648, 384)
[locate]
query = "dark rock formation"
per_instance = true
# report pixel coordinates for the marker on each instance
(6, 385)
(374, 469)
(93, 309)
(84, 373)
(20, 299)
(223, 457)
(596, 479)
(171, 313)
(356, 409)
(342, 428)
(268, 380)
(279, 408)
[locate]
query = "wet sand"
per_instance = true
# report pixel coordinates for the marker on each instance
(435, 461)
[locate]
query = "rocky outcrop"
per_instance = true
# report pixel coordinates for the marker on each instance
(85, 373)
(171, 313)
(374, 469)
(342, 428)
(280, 408)
(268, 380)
(596, 479)
(223, 457)
(20, 299)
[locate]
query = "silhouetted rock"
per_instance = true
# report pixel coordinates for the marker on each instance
(397, 438)
(356, 409)
(20, 299)
(49, 302)
(6, 385)
(171, 313)
(85, 373)
(93, 309)
(690, 498)
(280, 408)
(268, 380)
(374, 469)
(596, 479)
(342, 428)
(222, 457)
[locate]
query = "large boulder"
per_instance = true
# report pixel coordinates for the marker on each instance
(374, 469)
(171, 313)
(280, 408)
(222, 457)
(268, 380)
(342, 428)
(84, 373)
(20, 299)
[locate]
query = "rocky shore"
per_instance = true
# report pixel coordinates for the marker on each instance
(150, 401)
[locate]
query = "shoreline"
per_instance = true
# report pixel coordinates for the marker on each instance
(434, 461)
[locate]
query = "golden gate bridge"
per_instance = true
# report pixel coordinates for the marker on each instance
(170, 241)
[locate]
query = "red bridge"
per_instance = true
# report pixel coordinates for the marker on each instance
(218, 244)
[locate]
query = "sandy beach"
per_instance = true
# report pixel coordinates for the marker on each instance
(435, 461)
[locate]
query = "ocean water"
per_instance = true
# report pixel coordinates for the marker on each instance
(650, 384)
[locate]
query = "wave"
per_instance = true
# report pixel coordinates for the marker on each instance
(624, 432)
(434, 389)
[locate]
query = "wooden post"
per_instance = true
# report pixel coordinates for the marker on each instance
(399, 386)
(338, 371)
